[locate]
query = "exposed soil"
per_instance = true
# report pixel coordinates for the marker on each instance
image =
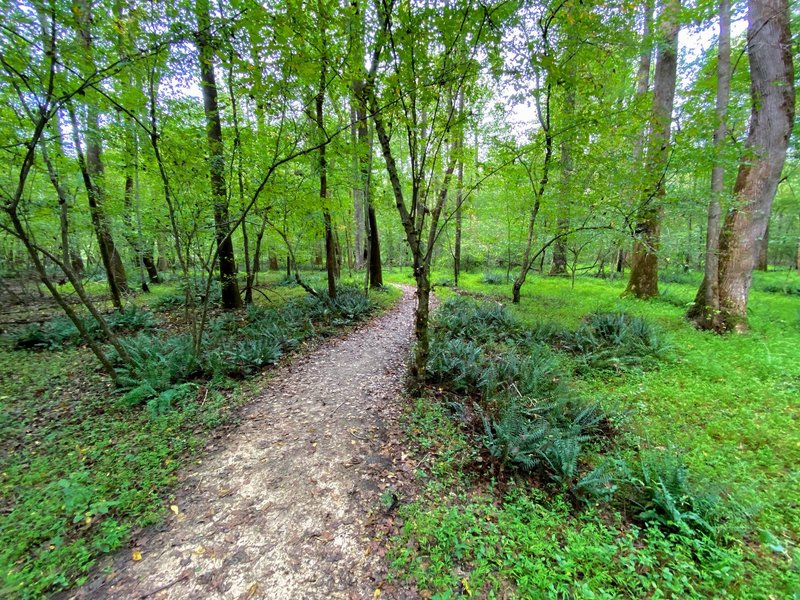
(288, 507)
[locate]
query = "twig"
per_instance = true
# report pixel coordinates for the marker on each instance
(164, 587)
(338, 407)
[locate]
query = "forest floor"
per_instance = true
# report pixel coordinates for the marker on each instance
(288, 506)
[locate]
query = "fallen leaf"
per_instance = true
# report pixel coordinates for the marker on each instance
(174, 508)
(377, 593)
(137, 555)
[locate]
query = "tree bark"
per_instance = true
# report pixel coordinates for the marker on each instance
(643, 282)
(762, 264)
(227, 262)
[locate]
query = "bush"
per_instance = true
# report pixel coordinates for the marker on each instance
(156, 365)
(482, 322)
(456, 363)
(659, 486)
(61, 332)
(51, 335)
(789, 289)
(616, 341)
(493, 278)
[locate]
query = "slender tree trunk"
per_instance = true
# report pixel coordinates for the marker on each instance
(643, 282)
(330, 244)
(705, 310)
(459, 190)
(360, 247)
(227, 262)
(559, 265)
(769, 47)
(375, 270)
(94, 171)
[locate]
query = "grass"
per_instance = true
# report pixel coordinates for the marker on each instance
(80, 468)
(727, 405)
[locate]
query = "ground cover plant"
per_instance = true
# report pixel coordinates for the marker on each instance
(695, 494)
(83, 463)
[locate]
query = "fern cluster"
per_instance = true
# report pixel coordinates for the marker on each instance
(60, 332)
(532, 421)
(233, 346)
(616, 341)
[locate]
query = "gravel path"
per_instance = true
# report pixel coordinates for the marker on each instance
(283, 510)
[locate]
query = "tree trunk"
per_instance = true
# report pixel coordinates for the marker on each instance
(330, 243)
(360, 247)
(643, 282)
(763, 251)
(94, 171)
(459, 191)
(705, 310)
(227, 262)
(771, 120)
(375, 270)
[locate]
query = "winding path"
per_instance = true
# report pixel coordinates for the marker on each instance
(282, 510)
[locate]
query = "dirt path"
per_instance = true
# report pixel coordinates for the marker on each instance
(282, 510)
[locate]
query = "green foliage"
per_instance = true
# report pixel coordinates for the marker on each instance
(456, 363)
(60, 332)
(514, 439)
(477, 321)
(661, 489)
(616, 341)
(52, 335)
(157, 363)
(490, 278)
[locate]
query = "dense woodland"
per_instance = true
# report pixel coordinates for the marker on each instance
(221, 151)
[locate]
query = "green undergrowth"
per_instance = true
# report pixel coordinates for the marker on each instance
(702, 451)
(82, 463)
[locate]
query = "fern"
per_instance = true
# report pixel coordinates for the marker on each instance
(665, 496)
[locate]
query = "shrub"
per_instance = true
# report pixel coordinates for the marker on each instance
(456, 363)
(490, 278)
(789, 289)
(156, 364)
(60, 331)
(537, 375)
(660, 488)
(249, 356)
(616, 341)
(479, 321)
(132, 318)
(514, 439)
(350, 305)
(169, 301)
(51, 335)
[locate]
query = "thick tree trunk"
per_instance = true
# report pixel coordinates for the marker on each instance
(643, 282)
(227, 261)
(769, 47)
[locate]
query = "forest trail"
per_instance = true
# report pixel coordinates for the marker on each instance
(282, 509)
